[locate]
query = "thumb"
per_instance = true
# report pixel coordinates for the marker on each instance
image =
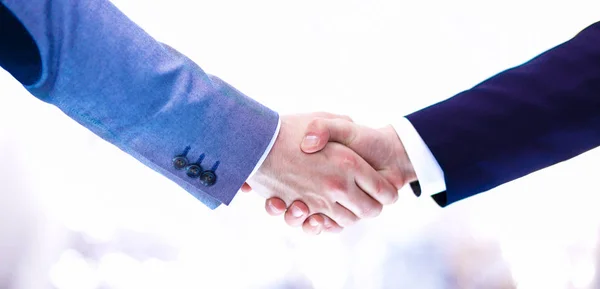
(321, 131)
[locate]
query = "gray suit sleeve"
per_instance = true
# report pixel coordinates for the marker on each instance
(106, 73)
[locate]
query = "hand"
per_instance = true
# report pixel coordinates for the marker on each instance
(381, 148)
(335, 182)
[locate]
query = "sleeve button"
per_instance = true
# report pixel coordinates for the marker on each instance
(208, 178)
(193, 171)
(180, 162)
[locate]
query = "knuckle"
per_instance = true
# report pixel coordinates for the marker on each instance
(319, 204)
(348, 161)
(314, 123)
(346, 133)
(337, 186)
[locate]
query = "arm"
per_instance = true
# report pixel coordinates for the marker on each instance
(519, 121)
(106, 73)
(157, 105)
(522, 120)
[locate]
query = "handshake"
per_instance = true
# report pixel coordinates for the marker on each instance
(326, 172)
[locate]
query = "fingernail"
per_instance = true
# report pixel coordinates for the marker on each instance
(313, 222)
(327, 223)
(310, 141)
(296, 212)
(273, 208)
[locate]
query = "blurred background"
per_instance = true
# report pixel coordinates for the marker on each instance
(77, 213)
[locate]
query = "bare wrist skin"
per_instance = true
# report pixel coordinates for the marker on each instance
(402, 162)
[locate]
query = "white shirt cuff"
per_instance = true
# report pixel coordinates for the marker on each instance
(428, 171)
(268, 150)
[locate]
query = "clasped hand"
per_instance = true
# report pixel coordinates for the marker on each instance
(325, 172)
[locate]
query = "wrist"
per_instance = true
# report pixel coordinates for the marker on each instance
(400, 160)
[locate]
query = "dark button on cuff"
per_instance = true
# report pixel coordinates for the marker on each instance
(208, 178)
(180, 162)
(193, 171)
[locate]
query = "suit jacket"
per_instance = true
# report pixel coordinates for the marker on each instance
(91, 61)
(519, 121)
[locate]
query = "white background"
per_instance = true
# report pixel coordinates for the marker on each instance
(77, 213)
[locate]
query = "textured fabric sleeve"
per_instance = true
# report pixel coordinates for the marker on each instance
(106, 73)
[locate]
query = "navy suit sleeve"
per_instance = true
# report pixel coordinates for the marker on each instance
(18, 52)
(519, 121)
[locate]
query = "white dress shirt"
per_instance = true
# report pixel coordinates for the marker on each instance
(428, 171)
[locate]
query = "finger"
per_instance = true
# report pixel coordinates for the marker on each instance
(376, 186)
(367, 180)
(321, 131)
(296, 214)
(313, 225)
(330, 226)
(317, 223)
(359, 203)
(368, 189)
(246, 188)
(275, 206)
(343, 216)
